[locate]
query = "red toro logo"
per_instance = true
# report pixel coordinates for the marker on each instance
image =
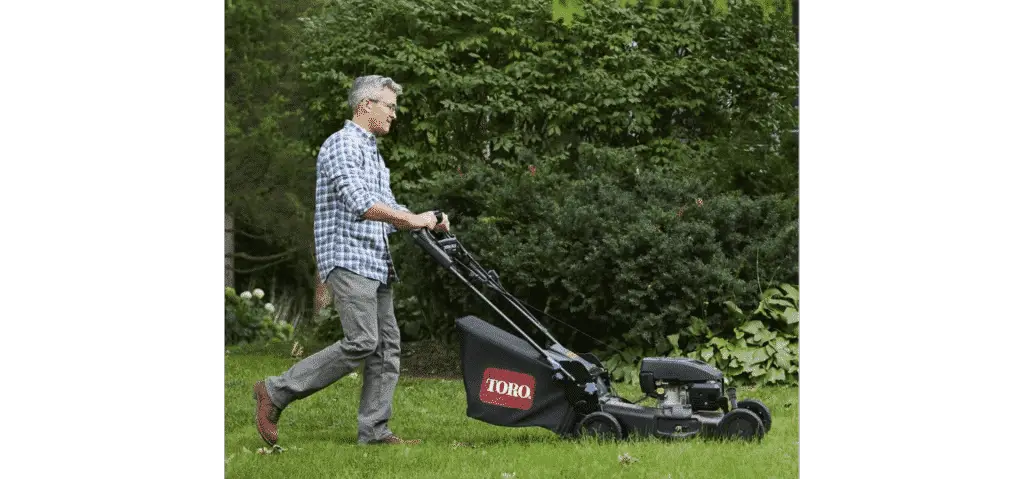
(509, 389)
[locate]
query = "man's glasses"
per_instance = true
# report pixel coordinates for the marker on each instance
(391, 106)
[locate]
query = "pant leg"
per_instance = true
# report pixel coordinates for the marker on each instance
(356, 300)
(380, 375)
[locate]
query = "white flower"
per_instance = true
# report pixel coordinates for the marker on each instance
(258, 293)
(246, 295)
(269, 307)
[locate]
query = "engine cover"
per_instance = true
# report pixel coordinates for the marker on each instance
(677, 371)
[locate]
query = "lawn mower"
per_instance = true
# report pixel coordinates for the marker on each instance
(513, 381)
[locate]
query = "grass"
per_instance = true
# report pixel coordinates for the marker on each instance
(318, 435)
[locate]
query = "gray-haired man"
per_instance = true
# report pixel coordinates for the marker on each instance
(355, 213)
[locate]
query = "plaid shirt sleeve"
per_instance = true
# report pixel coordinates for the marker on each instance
(341, 165)
(394, 204)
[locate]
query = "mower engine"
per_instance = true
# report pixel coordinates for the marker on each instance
(691, 400)
(683, 385)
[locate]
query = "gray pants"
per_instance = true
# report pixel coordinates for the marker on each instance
(371, 334)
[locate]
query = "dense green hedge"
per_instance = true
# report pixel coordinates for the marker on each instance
(663, 193)
(624, 256)
(499, 82)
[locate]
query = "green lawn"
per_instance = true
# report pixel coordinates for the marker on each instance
(318, 435)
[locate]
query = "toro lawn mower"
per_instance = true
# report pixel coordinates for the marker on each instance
(513, 381)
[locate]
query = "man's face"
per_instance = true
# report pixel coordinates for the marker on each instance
(382, 111)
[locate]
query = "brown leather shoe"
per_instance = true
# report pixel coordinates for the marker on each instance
(267, 413)
(395, 440)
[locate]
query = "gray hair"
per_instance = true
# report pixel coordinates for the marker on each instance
(365, 87)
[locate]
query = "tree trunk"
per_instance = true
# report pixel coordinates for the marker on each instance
(229, 251)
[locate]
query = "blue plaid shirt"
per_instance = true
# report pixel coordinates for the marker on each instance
(351, 177)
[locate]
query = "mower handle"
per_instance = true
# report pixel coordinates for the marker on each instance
(427, 239)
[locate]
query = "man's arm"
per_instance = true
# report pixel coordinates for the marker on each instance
(393, 204)
(402, 220)
(338, 163)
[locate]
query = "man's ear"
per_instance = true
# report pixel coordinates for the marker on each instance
(362, 107)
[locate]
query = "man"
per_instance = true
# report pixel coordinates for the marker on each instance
(355, 212)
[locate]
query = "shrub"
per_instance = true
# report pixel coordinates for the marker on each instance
(496, 81)
(621, 253)
(763, 350)
(248, 319)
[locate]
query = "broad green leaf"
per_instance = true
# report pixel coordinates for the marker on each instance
(752, 327)
(707, 353)
(776, 375)
(746, 356)
(785, 303)
(791, 292)
(759, 355)
(734, 309)
(783, 359)
(763, 336)
(719, 342)
(673, 339)
(791, 316)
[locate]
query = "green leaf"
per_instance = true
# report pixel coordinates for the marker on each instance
(719, 343)
(745, 356)
(791, 316)
(707, 353)
(776, 375)
(673, 339)
(760, 355)
(752, 327)
(734, 309)
(791, 292)
(763, 336)
(783, 359)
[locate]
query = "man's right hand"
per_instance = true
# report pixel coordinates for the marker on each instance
(424, 220)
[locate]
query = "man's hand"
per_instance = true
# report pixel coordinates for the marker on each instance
(322, 297)
(443, 225)
(424, 220)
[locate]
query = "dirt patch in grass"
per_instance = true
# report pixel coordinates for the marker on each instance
(430, 359)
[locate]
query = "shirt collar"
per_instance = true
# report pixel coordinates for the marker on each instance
(360, 131)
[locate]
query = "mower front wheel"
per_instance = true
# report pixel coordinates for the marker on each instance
(600, 425)
(757, 407)
(740, 424)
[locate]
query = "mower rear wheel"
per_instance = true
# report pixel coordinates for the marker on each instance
(740, 424)
(601, 425)
(758, 408)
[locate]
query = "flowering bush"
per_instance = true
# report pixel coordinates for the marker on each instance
(248, 319)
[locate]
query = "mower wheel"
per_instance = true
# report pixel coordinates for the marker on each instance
(600, 425)
(758, 408)
(740, 424)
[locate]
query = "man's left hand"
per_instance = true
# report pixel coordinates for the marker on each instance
(443, 225)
